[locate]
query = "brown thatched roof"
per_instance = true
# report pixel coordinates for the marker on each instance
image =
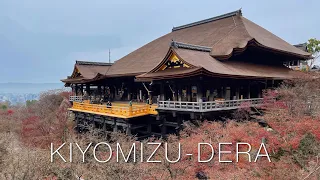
(85, 71)
(220, 35)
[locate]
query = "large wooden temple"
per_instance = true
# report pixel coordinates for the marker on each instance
(199, 68)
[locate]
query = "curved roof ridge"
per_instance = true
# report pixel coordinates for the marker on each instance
(190, 46)
(93, 63)
(230, 14)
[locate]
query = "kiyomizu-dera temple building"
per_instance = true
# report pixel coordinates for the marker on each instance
(199, 68)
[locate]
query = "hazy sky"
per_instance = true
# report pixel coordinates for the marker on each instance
(41, 39)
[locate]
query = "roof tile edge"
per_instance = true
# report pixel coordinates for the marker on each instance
(93, 63)
(190, 46)
(234, 13)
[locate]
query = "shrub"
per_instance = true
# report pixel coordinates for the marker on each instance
(4, 107)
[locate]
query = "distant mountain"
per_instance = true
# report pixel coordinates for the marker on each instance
(21, 92)
(28, 87)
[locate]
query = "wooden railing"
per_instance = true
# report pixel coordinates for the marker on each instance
(126, 111)
(76, 98)
(209, 106)
(121, 111)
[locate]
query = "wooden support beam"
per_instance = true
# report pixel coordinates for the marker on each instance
(88, 89)
(179, 124)
(179, 92)
(93, 122)
(134, 127)
(174, 114)
(188, 93)
(144, 136)
(162, 95)
(128, 131)
(199, 91)
(149, 128)
(237, 92)
(99, 90)
(192, 115)
(115, 126)
(76, 88)
(172, 124)
(104, 126)
(81, 89)
(249, 94)
(163, 127)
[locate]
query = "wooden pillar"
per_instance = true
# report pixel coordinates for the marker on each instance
(76, 89)
(129, 92)
(81, 89)
(94, 123)
(163, 127)
(128, 130)
(150, 94)
(211, 97)
(259, 91)
(266, 85)
(115, 126)
(237, 92)
(189, 93)
(249, 96)
(99, 90)
(174, 93)
(224, 92)
(179, 92)
(88, 89)
(199, 91)
(179, 124)
(77, 120)
(104, 126)
(139, 94)
(162, 95)
(149, 128)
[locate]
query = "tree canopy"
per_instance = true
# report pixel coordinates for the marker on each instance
(313, 47)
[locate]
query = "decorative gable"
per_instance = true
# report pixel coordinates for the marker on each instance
(76, 73)
(173, 62)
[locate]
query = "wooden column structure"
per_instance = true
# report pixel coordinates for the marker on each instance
(249, 94)
(88, 89)
(99, 90)
(162, 95)
(189, 93)
(81, 89)
(163, 126)
(76, 89)
(115, 126)
(199, 91)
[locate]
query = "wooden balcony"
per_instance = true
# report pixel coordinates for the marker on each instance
(119, 110)
(209, 106)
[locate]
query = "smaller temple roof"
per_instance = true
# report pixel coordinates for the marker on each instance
(302, 46)
(85, 71)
